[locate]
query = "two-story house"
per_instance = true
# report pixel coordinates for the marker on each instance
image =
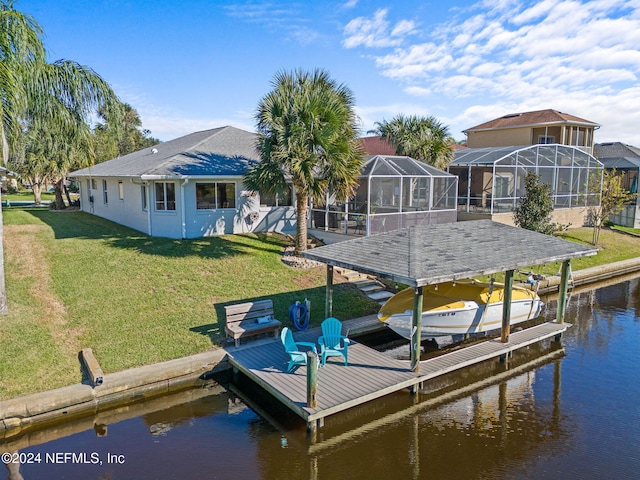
(531, 128)
(555, 145)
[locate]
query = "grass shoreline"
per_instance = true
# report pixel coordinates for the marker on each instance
(74, 280)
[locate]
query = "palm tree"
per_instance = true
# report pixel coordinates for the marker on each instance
(61, 97)
(40, 100)
(20, 45)
(307, 133)
(422, 138)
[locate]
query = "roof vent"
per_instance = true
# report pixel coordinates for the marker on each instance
(511, 115)
(154, 150)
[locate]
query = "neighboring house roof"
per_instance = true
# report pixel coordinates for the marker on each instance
(376, 146)
(528, 119)
(621, 163)
(615, 149)
(225, 151)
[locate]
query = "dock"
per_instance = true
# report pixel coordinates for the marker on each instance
(369, 375)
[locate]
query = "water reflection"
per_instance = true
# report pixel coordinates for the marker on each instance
(554, 411)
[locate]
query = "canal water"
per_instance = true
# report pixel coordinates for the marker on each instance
(569, 411)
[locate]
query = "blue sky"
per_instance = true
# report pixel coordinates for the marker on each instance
(193, 65)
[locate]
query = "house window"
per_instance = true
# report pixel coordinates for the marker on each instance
(277, 200)
(165, 196)
(104, 192)
(88, 185)
(211, 196)
(120, 190)
(94, 184)
(143, 193)
(546, 139)
(502, 187)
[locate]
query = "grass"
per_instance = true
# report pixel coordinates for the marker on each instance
(27, 196)
(74, 280)
(613, 247)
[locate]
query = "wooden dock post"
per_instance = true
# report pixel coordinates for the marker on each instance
(416, 329)
(506, 306)
(92, 367)
(312, 379)
(328, 309)
(562, 291)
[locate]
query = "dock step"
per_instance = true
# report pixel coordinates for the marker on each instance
(381, 295)
(371, 288)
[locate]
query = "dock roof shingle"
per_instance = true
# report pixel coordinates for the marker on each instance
(429, 254)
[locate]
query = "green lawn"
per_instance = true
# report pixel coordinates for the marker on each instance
(74, 280)
(26, 196)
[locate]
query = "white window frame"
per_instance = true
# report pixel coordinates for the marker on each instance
(165, 202)
(143, 194)
(120, 190)
(105, 195)
(215, 187)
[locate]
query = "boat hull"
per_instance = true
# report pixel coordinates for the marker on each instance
(444, 316)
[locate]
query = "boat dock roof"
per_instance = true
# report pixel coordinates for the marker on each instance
(428, 254)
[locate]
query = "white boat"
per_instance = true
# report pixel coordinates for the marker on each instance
(460, 307)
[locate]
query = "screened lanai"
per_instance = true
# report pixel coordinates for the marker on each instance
(393, 192)
(491, 180)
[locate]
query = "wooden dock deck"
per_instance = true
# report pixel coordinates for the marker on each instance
(369, 375)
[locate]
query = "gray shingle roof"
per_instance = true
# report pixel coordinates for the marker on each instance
(615, 149)
(225, 151)
(428, 254)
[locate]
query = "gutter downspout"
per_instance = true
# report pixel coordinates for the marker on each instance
(183, 208)
(147, 196)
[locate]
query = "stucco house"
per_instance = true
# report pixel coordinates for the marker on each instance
(188, 187)
(555, 145)
(531, 128)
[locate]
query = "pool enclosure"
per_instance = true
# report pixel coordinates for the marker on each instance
(491, 180)
(629, 170)
(394, 192)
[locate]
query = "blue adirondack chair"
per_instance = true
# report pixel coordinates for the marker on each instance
(297, 356)
(332, 342)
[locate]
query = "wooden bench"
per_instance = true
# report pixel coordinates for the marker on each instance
(242, 320)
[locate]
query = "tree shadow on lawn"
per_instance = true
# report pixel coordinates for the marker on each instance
(343, 309)
(82, 225)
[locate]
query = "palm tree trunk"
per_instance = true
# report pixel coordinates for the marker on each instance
(301, 219)
(36, 188)
(66, 193)
(58, 189)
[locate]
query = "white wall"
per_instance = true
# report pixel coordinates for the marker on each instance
(126, 211)
(197, 223)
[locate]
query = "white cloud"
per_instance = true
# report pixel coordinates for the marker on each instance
(578, 56)
(375, 32)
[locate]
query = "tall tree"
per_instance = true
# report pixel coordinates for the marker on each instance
(307, 132)
(40, 100)
(611, 200)
(20, 47)
(423, 138)
(534, 209)
(124, 136)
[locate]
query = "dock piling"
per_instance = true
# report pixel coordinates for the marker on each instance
(312, 379)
